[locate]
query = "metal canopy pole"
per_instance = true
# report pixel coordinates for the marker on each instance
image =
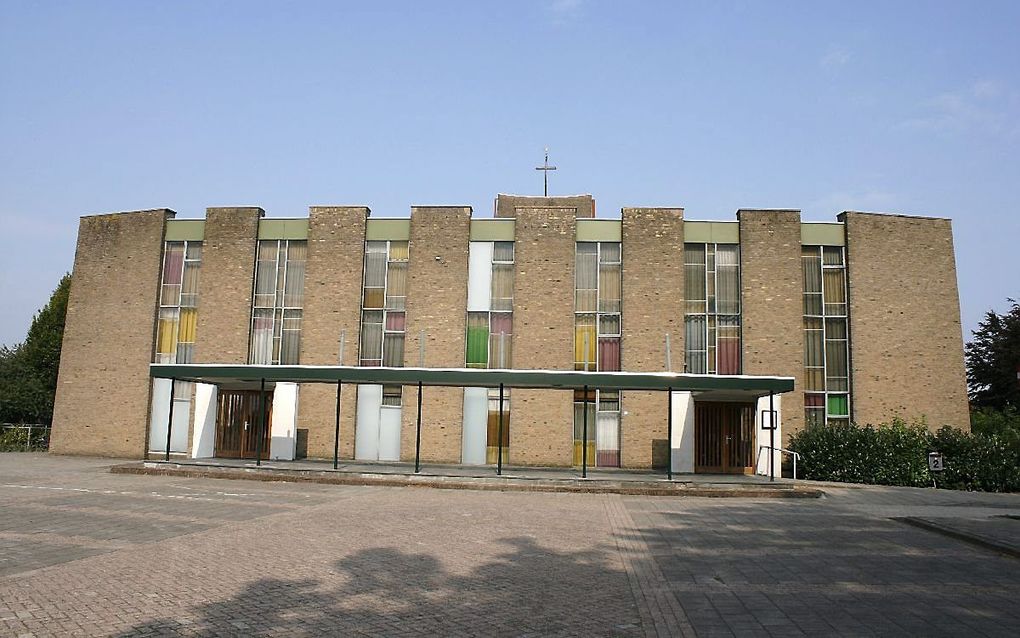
(170, 418)
(262, 422)
(584, 436)
(417, 434)
(499, 435)
(669, 434)
(772, 437)
(339, 384)
(417, 437)
(336, 431)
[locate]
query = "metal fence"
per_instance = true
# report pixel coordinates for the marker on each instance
(24, 437)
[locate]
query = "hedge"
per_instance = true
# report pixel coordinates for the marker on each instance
(896, 453)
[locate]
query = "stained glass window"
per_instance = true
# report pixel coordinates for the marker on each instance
(278, 302)
(383, 317)
(826, 364)
(712, 308)
(598, 288)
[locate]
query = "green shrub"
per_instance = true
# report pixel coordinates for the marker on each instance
(896, 453)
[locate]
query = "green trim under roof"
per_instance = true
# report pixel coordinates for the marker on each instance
(822, 234)
(492, 229)
(381, 229)
(468, 377)
(283, 228)
(599, 230)
(712, 232)
(185, 230)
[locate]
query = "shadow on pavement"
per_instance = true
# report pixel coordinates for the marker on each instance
(528, 590)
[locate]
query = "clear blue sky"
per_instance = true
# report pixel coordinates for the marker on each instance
(908, 107)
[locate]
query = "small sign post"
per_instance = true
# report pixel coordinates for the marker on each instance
(935, 464)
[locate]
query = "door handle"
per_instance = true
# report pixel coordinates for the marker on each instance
(245, 426)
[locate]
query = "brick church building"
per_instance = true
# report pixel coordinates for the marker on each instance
(862, 313)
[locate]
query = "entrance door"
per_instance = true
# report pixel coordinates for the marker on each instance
(724, 438)
(237, 424)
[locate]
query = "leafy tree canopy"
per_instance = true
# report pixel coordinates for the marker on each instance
(28, 371)
(993, 359)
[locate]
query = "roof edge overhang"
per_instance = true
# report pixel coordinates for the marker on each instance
(223, 374)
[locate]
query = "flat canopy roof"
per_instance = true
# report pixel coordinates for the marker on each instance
(219, 374)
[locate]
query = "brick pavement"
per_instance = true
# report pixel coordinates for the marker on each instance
(84, 552)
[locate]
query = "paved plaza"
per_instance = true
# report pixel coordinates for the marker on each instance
(87, 552)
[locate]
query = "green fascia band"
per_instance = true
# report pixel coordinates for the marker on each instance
(185, 230)
(392, 229)
(492, 229)
(599, 230)
(283, 228)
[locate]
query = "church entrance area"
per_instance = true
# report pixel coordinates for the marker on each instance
(724, 437)
(237, 424)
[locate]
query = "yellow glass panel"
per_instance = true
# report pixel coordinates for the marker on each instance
(166, 340)
(398, 251)
(585, 328)
(591, 453)
(374, 298)
(189, 320)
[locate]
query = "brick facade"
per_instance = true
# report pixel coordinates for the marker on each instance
(437, 305)
(653, 292)
(102, 401)
(905, 335)
(228, 269)
(332, 303)
(541, 430)
(772, 306)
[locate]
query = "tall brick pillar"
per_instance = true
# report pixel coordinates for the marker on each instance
(437, 304)
(333, 285)
(102, 401)
(541, 430)
(772, 306)
(653, 292)
(228, 270)
(906, 342)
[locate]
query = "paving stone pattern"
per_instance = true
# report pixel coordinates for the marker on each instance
(85, 552)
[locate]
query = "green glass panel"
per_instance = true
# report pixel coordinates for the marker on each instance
(477, 346)
(838, 405)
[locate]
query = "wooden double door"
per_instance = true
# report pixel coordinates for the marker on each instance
(238, 426)
(724, 437)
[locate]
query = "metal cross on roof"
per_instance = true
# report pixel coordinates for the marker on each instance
(545, 168)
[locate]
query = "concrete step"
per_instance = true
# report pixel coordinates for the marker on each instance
(651, 487)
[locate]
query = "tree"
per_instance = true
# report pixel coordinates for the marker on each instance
(28, 371)
(993, 360)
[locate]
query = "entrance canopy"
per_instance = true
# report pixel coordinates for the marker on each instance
(717, 387)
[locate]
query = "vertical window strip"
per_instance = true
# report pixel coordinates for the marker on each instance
(490, 332)
(598, 281)
(598, 295)
(712, 310)
(178, 306)
(277, 302)
(826, 336)
(383, 316)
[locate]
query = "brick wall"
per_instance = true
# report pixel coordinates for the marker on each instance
(771, 280)
(228, 269)
(541, 431)
(102, 400)
(653, 290)
(905, 334)
(333, 286)
(437, 304)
